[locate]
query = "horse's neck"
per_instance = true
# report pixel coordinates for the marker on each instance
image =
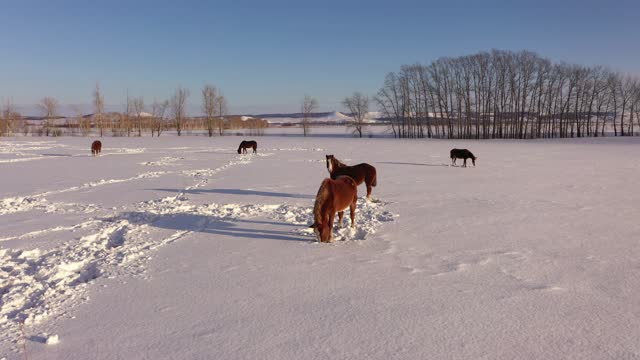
(337, 164)
(321, 199)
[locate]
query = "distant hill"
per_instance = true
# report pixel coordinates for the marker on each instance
(329, 118)
(32, 113)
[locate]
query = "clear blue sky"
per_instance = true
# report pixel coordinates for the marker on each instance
(266, 55)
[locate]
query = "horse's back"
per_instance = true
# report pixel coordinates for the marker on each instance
(461, 153)
(345, 190)
(347, 180)
(359, 173)
(248, 144)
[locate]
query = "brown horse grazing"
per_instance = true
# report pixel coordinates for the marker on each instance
(360, 173)
(333, 196)
(96, 148)
(244, 145)
(462, 154)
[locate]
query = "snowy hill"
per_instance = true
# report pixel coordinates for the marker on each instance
(330, 118)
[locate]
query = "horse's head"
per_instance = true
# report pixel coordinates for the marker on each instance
(329, 162)
(323, 232)
(239, 150)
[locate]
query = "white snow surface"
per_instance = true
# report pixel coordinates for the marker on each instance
(179, 248)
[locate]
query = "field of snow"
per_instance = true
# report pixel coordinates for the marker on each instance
(179, 248)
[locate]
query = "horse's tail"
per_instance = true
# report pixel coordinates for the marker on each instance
(374, 177)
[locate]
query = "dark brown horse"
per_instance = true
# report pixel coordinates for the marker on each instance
(96, 148)
(462, 154)
(333, 196)
(244, 145)
(360, 173)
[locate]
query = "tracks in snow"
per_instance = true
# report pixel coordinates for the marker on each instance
(36, 285)
(39, 201)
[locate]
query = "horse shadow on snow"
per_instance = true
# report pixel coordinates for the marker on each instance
(213, 225)
(238, 192)
(412, 164)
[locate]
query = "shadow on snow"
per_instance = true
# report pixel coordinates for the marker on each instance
(212, 225)
(413, 164)
(238, 192)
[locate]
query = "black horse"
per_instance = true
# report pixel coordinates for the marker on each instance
(359, 173)
(462, 154)
(244, 145)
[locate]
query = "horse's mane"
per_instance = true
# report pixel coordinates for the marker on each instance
(337, 163)
(321, 197)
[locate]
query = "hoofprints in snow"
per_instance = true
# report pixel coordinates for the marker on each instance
(181, 248)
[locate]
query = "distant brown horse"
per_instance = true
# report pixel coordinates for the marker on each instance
(360, 173)
(244, 145)
(96, 148)
(333, 196)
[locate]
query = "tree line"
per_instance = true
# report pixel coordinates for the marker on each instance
(505, 94)
(496, 94)
(162, 116)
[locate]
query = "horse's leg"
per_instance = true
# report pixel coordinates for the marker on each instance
(332, 216)
(352, 213)
(340, 215)
(368, 183)
(464, 164)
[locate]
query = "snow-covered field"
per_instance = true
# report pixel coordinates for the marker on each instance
(179, 248)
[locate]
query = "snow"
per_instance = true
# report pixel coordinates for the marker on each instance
(179, 248)
(52, 340)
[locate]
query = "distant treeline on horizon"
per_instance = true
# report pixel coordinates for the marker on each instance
(488, 95)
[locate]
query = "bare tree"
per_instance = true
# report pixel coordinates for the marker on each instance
(72, 123)
(178, 104)
(221, 103)
(158, 110)
(49, 108)
(84, 123)
(98, 109)
(358, 106)
(128, 114)
(137, 107)
(4, 127)
(210, 106)
(309, 104)
(9, 119)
